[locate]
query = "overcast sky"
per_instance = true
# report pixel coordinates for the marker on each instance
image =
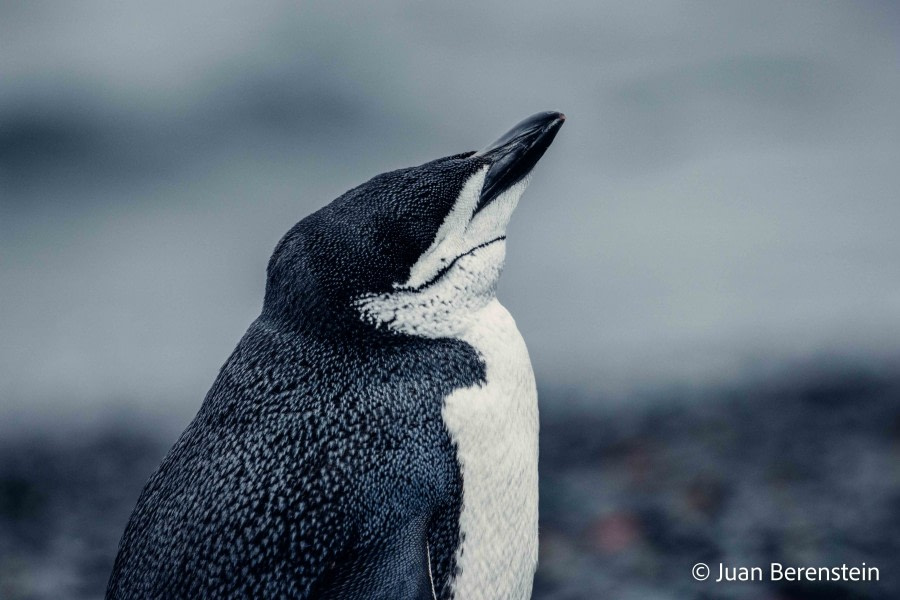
(724, 193)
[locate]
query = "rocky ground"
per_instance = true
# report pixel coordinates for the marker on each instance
(801, 473)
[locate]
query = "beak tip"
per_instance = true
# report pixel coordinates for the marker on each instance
(517, 151)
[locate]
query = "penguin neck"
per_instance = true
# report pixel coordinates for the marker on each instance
(326, 328)
(445, 307)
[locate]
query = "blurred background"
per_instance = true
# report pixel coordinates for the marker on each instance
(705, 266)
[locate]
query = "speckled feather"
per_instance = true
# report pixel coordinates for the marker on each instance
(287, 477)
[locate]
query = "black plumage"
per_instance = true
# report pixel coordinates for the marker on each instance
(318, 465)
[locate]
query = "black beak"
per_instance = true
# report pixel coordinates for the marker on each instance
(514, 155)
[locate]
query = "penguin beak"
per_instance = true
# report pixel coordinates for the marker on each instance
(515, 154)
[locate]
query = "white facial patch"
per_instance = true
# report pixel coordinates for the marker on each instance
(457, 275)
(448, 241)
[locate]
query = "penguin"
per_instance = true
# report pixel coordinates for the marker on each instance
(374, 434)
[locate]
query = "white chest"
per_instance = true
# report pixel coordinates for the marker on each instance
(495, 428)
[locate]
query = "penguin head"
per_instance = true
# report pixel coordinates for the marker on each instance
(415, 251)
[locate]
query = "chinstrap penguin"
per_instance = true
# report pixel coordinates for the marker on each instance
(374, 433)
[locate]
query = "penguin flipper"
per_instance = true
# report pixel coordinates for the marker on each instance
(397, 568)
